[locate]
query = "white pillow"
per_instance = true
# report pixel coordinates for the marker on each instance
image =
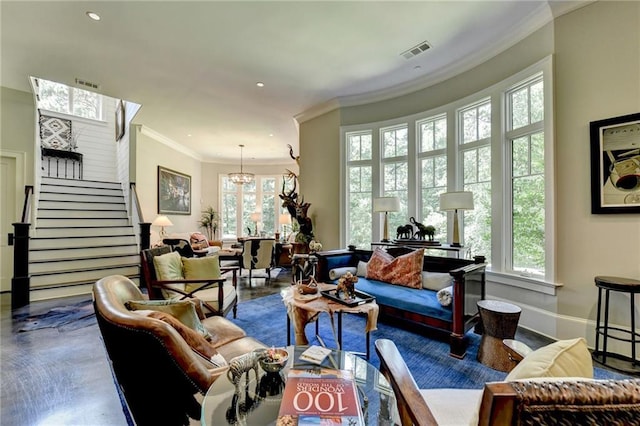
(361, 271)
(436, 280)
(336, 273)
(445, 296)
(564, 358)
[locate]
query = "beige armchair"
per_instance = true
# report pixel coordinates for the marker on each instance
(539, 401)
(168, 275)
(258, 253)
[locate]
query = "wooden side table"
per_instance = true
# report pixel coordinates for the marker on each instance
(499, 322)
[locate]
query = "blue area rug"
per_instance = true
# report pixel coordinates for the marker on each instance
(428, 359)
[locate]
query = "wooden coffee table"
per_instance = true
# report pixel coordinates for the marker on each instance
(303, 309)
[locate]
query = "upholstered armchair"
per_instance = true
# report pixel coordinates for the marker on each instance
(561, 393)
(161, 369)
(258, 253)
(168, 275)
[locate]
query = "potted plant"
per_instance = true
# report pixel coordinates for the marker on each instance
(209, 221)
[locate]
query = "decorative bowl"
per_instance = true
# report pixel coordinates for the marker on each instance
(273, 360)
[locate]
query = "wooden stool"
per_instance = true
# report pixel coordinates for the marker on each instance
(499, 321)
(620, 362)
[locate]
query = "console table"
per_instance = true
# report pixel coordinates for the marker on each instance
(459, 252)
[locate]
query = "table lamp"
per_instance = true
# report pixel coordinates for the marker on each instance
(284, 220)
(255, 218)
(454, 201)
(162, 221)
(386, 205)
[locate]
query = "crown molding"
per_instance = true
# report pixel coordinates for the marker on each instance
(147, 131)
(519, 31)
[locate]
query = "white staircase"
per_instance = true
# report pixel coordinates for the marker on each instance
(82, 234)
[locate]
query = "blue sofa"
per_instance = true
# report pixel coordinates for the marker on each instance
(420, 307)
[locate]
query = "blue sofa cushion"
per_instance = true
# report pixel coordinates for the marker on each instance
(421, 301)
(341, 261)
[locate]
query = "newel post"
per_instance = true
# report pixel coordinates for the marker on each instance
(21, 280)
(145, 235)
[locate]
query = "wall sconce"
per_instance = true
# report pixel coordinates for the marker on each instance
(454, 201)
(386, 205)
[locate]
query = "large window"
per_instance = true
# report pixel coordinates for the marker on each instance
(432, 153)
(69, 100)
(395, 171)
(475, 148)
(496, 144)
(241, 202)
(359, 184)
(526, 204)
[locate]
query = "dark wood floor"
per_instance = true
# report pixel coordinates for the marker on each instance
(54, 377)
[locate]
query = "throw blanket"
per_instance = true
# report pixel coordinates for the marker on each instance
(445, 296)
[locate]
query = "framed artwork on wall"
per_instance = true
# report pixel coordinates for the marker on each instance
(119, 120)
(174, 192)
(615, 165)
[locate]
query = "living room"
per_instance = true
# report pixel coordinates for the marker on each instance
(594, 78)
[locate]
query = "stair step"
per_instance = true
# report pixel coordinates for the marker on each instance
(61, 196)
(91, 275)
(75, 183)
(81, 214)
(63, 222)
(83, 231)
(60, 253)
(69, 242)
(74, 190)
(75, 264)
(69, 289)
(81, 205)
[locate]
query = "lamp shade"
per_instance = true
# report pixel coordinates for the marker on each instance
(162, 220)
(386, 204)
(256, 216)
(457, 200)
(284, 219)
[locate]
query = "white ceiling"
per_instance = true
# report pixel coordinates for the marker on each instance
(193, 66)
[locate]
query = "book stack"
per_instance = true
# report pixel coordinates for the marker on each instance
(320, 397)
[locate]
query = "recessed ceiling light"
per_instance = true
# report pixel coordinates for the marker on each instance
(189, 135)
(271, 134)
(93, 16)
(260, 84)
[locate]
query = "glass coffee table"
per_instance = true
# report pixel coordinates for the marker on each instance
(258, 399)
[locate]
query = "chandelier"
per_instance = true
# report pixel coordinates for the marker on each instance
(241, 178)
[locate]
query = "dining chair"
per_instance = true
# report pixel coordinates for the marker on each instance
(258, 253)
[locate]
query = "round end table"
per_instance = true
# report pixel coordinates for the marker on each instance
(499, 322)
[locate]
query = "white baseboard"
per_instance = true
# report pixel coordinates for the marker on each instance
(558, 327)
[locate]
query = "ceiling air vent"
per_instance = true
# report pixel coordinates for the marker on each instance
(416, 50)
(86, 83)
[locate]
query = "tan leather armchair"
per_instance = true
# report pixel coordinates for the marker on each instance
(157, 371)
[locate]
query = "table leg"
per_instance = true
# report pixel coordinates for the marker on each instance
(340, 330)
(288, 330)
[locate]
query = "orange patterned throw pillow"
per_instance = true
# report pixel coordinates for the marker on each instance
(405, 270)
(199, 241)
